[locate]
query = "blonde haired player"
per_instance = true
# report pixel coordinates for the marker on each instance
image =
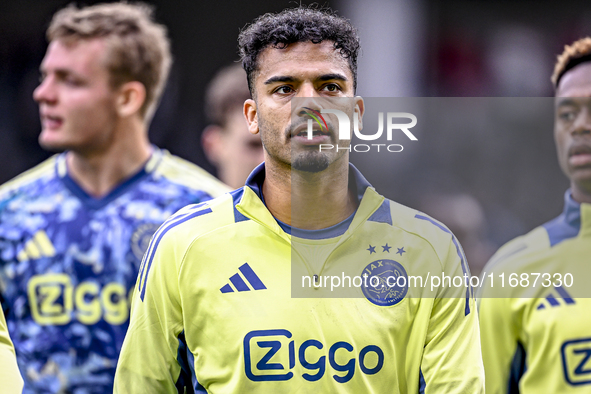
(73, 229)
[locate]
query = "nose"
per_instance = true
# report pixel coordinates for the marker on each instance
(307, 89)
(305, 108)
(306, 99)
(45, 92)
(582, 124)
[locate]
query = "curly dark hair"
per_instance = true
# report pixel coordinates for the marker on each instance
(299, 24)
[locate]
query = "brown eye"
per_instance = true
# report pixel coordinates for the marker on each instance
(332, 87)
(284, 90)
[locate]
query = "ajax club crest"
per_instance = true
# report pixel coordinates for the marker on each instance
(386, 284)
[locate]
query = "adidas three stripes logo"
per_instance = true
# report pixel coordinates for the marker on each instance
(240, 281)
(551, 300)
(37, 247)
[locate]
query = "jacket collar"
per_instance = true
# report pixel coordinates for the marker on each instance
(250, 203)
(574, 220)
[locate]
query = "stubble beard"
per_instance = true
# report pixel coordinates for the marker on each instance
(306, 160)
(310, 161)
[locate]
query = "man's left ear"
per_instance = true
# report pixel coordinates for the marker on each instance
(130, 98)
(359, 110)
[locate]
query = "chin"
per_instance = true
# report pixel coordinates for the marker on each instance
(582, 176)
(52, 145)
(310, 162)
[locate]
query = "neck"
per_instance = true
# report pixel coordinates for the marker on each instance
(309, 201)
(580, 193)
(99, 171)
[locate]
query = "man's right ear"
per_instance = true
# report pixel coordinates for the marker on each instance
(250, 113)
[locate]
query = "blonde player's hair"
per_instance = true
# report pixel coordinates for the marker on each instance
(139, 48)
(576, 53)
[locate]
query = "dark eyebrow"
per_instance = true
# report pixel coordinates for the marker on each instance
(328, 77)
(279, 78)
(566, 101)
(325, 77)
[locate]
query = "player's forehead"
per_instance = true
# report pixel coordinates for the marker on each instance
(79, 56)
(302, 61)
(576, 82)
